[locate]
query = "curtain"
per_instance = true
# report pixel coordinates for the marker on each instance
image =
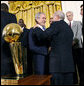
(26, 10)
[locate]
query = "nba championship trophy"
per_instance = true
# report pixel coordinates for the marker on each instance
(11, 34)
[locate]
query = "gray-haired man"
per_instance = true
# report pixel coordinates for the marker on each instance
(39, 48)
(76, 27)
(61, 64)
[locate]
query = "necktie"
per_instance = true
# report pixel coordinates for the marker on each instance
(70, 24)
(44, 28)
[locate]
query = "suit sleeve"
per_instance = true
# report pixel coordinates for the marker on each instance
(79, 33)
(47, 34)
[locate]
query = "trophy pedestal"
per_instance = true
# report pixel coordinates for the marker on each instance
(28, 80)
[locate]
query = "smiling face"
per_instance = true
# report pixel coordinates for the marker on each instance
(41, 20)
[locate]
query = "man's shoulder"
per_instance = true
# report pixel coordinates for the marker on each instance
(57, 22)
(7, 13)
(26, 29)
(38, 29)
(77, 22)
(11, 14)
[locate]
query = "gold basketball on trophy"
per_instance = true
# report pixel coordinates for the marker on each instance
(11, 32)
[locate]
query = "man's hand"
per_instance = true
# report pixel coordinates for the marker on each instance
(37, 25)
(49, 49)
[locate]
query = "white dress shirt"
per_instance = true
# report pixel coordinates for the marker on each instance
(71, 23)
(41, 27)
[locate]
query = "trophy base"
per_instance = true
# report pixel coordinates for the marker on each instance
(15, 77)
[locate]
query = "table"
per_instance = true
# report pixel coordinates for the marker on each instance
(29, 80)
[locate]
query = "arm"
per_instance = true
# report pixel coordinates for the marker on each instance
(47, 34)
(79, 33)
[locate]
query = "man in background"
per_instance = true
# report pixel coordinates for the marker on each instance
(7, 66)
(76, 27)
(25, 42)
(82, 56)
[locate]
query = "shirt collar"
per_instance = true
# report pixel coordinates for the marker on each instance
(41, 27)
(22, 28)
(71, 22)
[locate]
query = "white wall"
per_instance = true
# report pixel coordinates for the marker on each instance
(73, 6)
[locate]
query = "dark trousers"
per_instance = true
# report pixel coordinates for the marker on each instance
(39, 64)
(76, 64)
(62, 79)
(81, 68)
(79, 62)
(29, 64)
(47, 65)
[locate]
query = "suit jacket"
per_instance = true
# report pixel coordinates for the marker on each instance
(61, 37)
(82, 26)
(35, 46)
(7, 18)
(82, 31)
(24, 39)
(6, 58)
(77, 30)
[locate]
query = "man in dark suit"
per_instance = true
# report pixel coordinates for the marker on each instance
(61, 64)
(24, 39)
(39, 50)
(7, 66)
(82, 54)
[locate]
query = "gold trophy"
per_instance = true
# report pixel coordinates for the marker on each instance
(11, 33)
